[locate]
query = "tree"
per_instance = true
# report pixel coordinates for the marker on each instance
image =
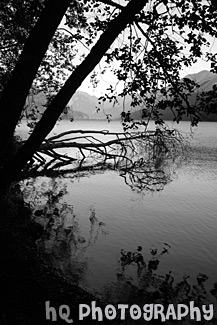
(17, 19)
(14, 95)
(59, 56)
(148, 61)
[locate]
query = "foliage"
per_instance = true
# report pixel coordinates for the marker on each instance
(165, 37)
(136, 257)
(147, 285)
(207, 101)
(147, 60)
(16, 21)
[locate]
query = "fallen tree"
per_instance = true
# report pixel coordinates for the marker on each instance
(143, 158)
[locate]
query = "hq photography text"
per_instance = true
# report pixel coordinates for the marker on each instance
(147, 312)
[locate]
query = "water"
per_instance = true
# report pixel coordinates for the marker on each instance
(182, 215)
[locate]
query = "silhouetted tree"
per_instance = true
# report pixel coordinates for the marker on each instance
(148, 61)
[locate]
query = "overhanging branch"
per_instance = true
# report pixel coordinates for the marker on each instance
(112, 3)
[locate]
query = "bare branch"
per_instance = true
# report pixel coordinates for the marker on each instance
(141, 158)
(160, 59)
(66, 30)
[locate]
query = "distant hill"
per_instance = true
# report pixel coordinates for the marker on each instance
(88, 105)
(84, 106)
(83, 103)
(206, 80)
(81, 106)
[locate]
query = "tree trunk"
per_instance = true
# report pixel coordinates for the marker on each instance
(16, 91)
(50, 116)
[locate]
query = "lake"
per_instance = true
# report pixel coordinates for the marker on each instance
(103, 215)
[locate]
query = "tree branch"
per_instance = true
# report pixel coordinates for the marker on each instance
(66, 30)
(112, 3)
(159, 57)
(132, 150)
(16, 91)
(58, 104)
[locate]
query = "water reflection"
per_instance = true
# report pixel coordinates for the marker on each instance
(139, 279)
(138, 283)
(61, 241)
(83, 207)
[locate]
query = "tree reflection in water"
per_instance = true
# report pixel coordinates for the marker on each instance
(61, 241)
(145, 165)
(154, 162)
(151, 168)
(64, 248)
(148, 167)
(154, 288)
